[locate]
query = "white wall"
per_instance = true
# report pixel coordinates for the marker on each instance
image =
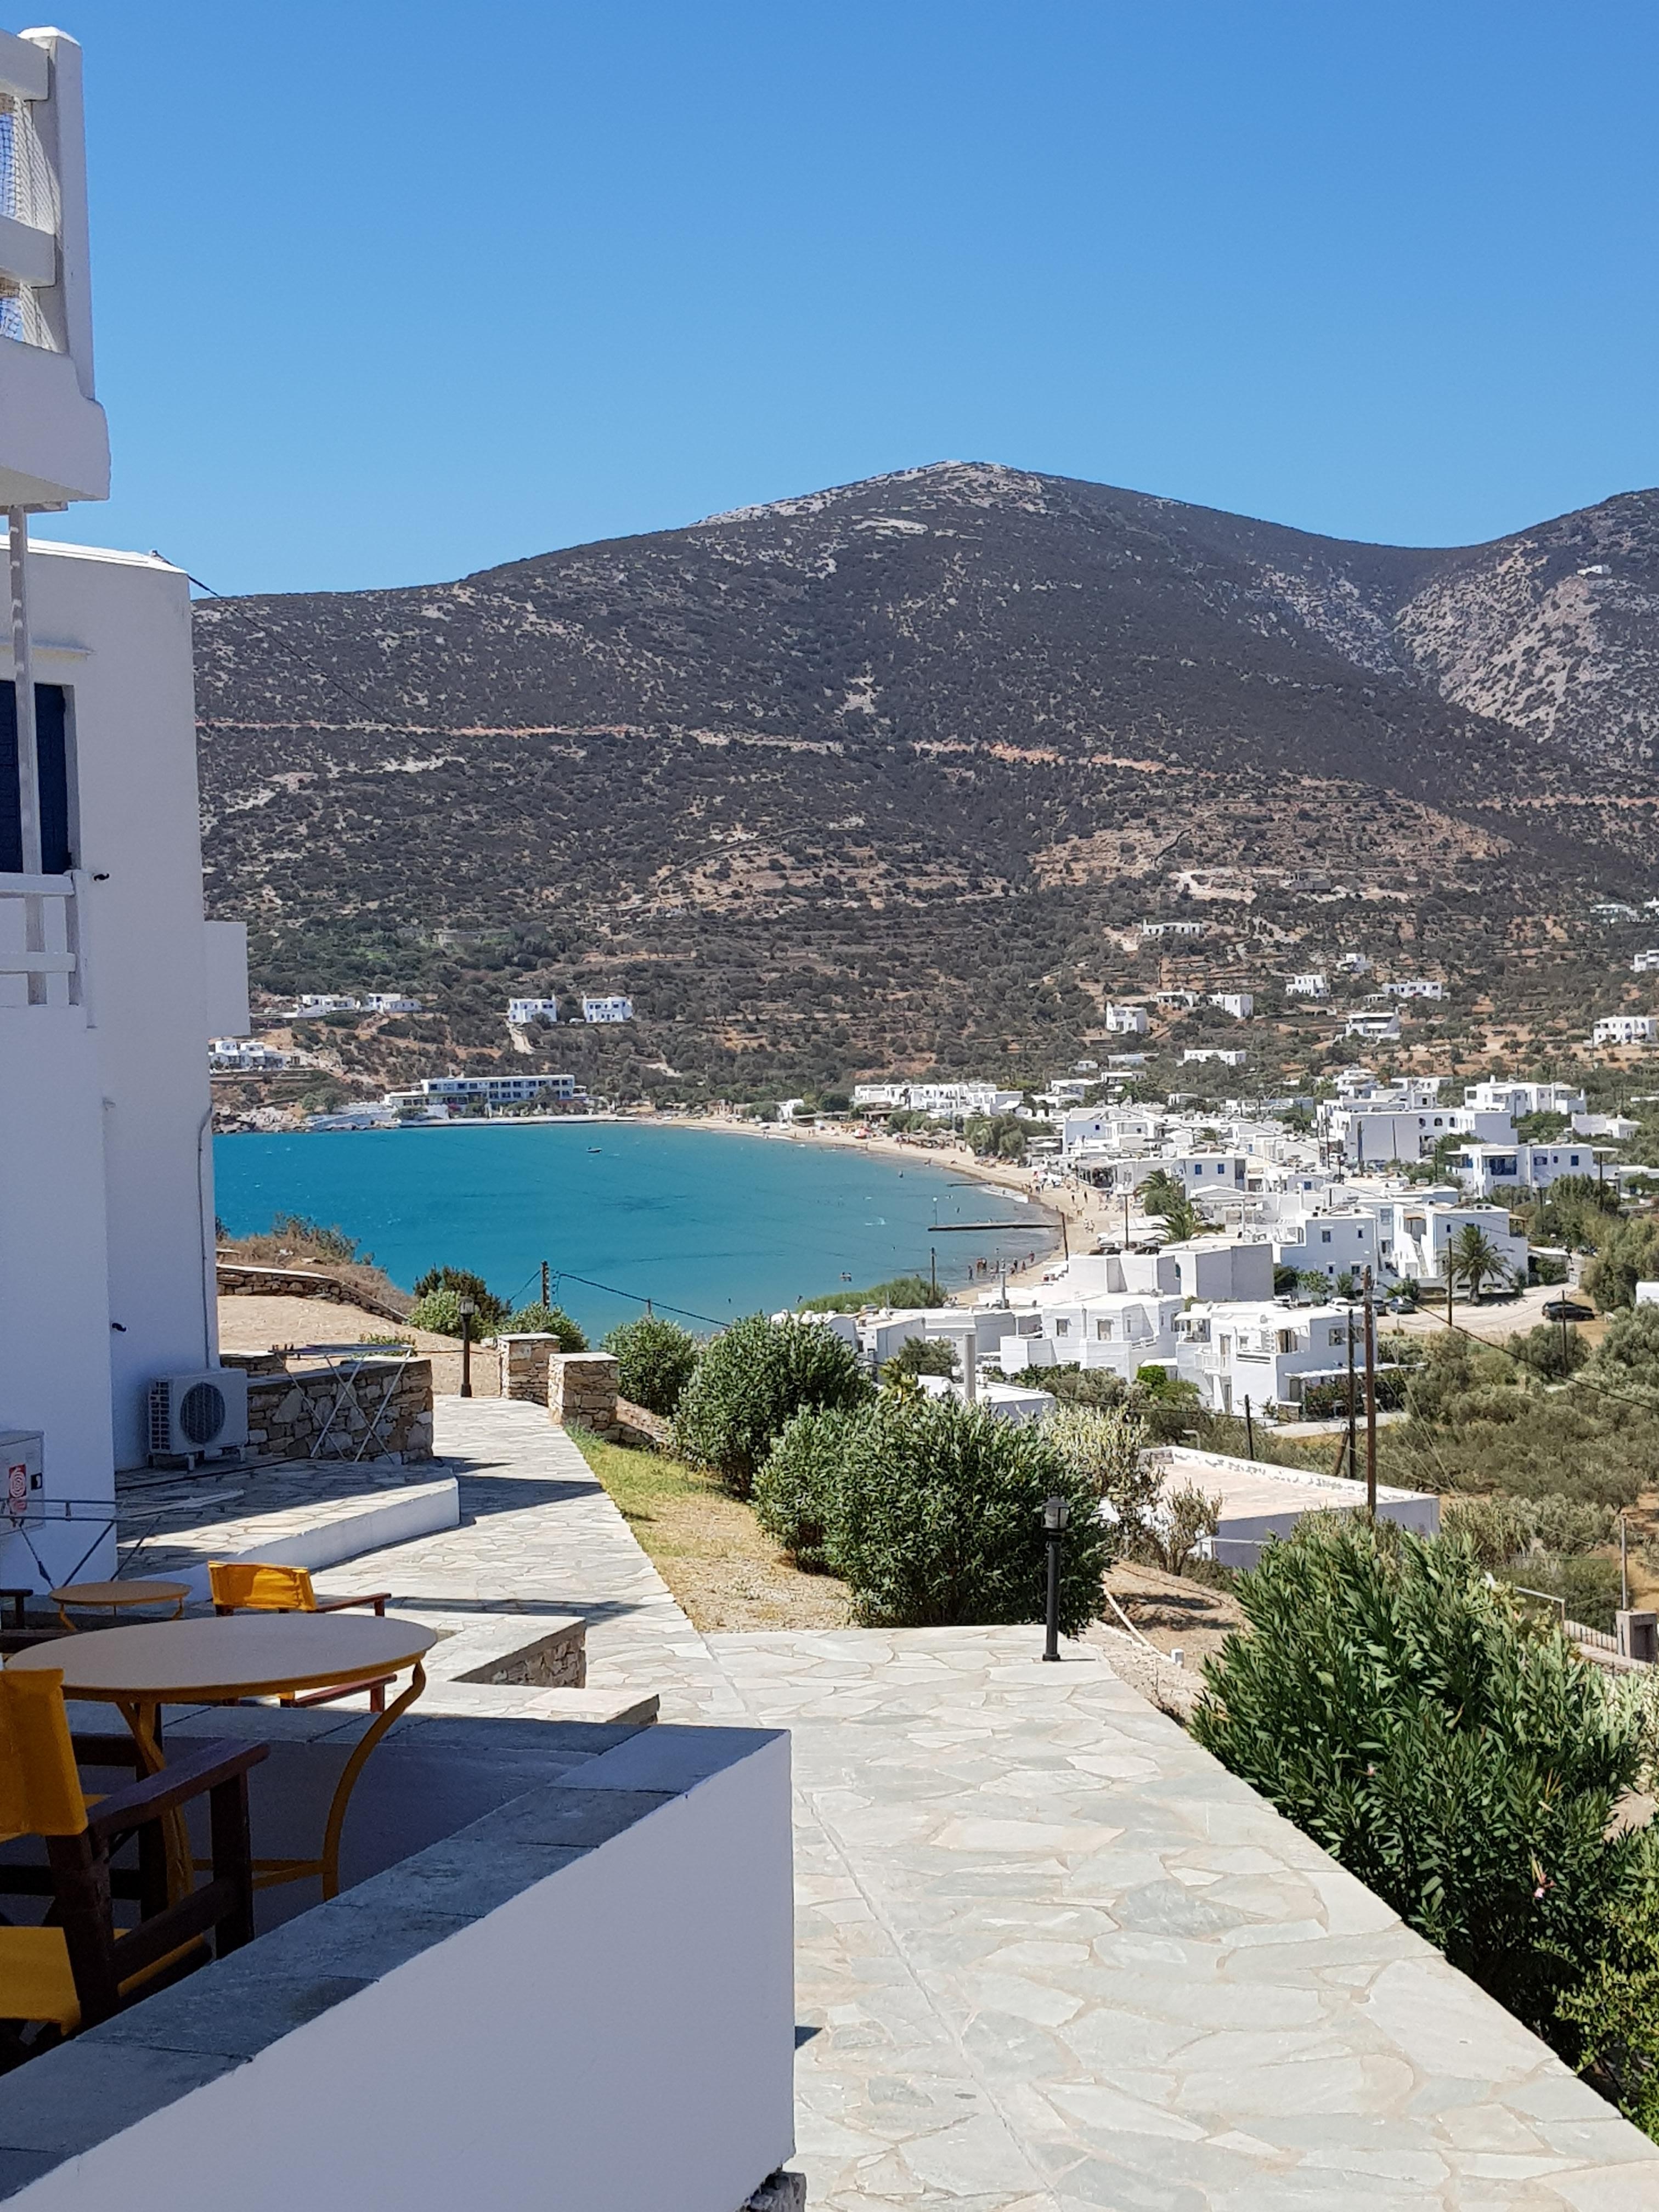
(115, 629)
(617, 2037)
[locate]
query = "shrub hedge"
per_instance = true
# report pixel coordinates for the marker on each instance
(654, 1362)
(750, 1380)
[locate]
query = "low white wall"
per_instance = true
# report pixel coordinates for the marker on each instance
(618, 2036)
(396, 1517)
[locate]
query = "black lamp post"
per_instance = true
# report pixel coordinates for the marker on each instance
(469, 1307)
(1055, 1515)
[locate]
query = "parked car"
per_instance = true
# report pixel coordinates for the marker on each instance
(1567, 1309)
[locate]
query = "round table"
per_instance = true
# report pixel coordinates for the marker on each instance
(245, 1655)
(116, 1596)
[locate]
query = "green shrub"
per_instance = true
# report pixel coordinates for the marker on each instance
(547, 1321)
(1550, 1352)
(902, 1290)
(1628, 1254)
(328, 1242)
(797, 1489)
(750, 1380)
(655, 1361)
(491, 1310)
(1464, 1766)
(1586, 1584)
(921, 1355)
(441, 1312)
(938, 1519)
(1628, 1357)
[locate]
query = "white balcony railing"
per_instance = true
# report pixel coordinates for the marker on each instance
(42, 940)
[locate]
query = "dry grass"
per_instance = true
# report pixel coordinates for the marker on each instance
(1174, 1614)
(708, 1547)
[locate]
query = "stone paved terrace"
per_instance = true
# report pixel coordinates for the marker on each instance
(1051, 1958)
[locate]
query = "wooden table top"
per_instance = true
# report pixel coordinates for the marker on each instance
(245, 1654)
(122, 1593)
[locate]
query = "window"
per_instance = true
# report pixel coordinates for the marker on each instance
(1104, 1332)
(1287, 1340)
(1324, 1236)
(1062, 1328)
(51, 747)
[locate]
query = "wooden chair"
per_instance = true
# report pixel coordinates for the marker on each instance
(80, 1968)
(251, 1586)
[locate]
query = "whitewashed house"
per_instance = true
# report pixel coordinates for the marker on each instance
(1266, 1350)
(1415, 986)
(486, 1091)
(522, 1013)
(1329, 1244)
(1241, 1005)
(1376, 1025)
(389, 1002)
(1311, 983)
(1414, 1233)
(1645, 962)
(1626, 1028)
(1487, 1170)
(612, 1009)
(1123, 1021)
(326, 1002)
(1497, 1096)
(242, 1054)
(1228, 1055)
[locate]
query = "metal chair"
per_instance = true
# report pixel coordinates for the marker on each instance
(254, 1586)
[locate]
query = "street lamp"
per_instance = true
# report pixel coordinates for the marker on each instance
(469, 1307)
(1055, 1515)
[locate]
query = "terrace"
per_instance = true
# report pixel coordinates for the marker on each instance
(1047, 1955)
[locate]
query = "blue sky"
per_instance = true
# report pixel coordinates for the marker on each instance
(388, 291)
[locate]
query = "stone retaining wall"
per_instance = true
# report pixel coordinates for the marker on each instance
(582, 1391)
(289, 1409)
(523, 1365)
(239, 1280)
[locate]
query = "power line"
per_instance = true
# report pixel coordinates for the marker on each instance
(564, 1275)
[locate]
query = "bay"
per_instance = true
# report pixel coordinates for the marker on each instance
(708, 1222)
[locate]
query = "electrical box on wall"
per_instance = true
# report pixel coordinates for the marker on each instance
(22, 1467)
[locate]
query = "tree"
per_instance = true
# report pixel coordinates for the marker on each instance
(491, 1310)
(655, 1359)
(547, 1321)
(1166, 1194)
(1627, 1358)
(921, 1355)
(750, 1380)
(1464, 1764)
(1474, 1260)
(1629, 1254)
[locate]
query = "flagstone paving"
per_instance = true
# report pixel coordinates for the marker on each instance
(1051, 1957)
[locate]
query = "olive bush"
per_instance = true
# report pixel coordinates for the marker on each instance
(750, 1380)
(654, 1362)
(547, 1321)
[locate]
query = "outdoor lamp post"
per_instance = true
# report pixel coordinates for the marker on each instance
(469, 1307)
(1055, 1514)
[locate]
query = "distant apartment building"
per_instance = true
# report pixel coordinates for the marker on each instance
(1241, 1005)
(485, 1089)
(1310, 984)
(389, 1002)
(326, 1002)
(244, 1056)
(1626, 1028)
(880, 1094)
(1375, 1027)
(1124, 1021)
(1415, 986)
(1495, 1096)
(1645, 962)
(521, 1012)
(616, 1009)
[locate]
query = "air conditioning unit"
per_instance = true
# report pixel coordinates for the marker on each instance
(194, 1417)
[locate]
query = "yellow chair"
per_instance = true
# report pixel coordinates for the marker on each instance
(83, 1970)
(256, 1586)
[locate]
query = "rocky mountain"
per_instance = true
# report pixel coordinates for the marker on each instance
(893, 770)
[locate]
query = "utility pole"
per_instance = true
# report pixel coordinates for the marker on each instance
(1353, 1456)
(1370, 1400)
(1250, 1428)
(547, 1287)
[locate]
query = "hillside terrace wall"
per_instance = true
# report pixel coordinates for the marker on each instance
(308, 1411)
(241, 1279)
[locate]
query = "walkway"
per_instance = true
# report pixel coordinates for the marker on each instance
(1051, 1958)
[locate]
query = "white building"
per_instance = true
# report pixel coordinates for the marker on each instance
(111, 981)
(242, 1054)
(1377, 1131)
(1414, 1233)
(1645, 962)
(1485, 1169)
(1124, 1021)
(521, 1012)
(1415, 986)
(1266, 1350)
(1241, 1005)
(1312, 983)
(1173, 929)
(616, 1009)
(880, 1094)
(1229, 1056)
(1355, 963)
(1515, 1099)
(488, 1090)
(1626, 1028)
(1611, 1128)
(1374, 1027)
(326, 1002)
(389, 1002)
(1329, 1244)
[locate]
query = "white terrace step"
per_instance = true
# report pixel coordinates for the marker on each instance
(317, 1533)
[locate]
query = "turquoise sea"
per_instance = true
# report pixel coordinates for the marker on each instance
(705, 1221)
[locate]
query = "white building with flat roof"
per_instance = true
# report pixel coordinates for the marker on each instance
(1497, 1095)
(1376, 1026)
(326, 1002)
(1241, 1005)
(389, 1002)
(613, 1009)
(486, 1091)
(521, 1012)
(1311, 983)
(1415, 986)
(1124, 1021)
(1626, 1028)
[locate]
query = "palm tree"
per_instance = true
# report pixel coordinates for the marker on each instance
(1165, 1195)
(1472, 1259)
